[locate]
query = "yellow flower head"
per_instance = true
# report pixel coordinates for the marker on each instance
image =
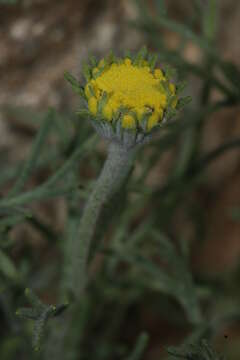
(128, 94)
(135, 87)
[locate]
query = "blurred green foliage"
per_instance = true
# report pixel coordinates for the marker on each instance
(145, 266)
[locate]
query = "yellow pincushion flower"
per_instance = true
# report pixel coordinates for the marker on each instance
(128, 96)
(132, 86)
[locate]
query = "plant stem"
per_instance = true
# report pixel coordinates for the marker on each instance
(114, 172)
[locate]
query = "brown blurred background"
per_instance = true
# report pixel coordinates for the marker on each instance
(41, 39)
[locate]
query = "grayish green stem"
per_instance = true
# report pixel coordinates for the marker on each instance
(114, 172)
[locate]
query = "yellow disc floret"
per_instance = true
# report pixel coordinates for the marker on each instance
(128, 122)
(128, 62)
(93, 105)
(107, 111)
(158, 74)
(140, 111)
(133, 87)
(154, 119)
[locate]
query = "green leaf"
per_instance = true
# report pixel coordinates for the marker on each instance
(152, 59)
(77, 88)
(39, 326)
(83, 113)
(141, 55)
(81, 151)
(40, 313)
(182, 102)
(28, 313)
(93, 61)
(41, 193)
(181, 87)
(170, 72)
(87, 71)
(35, 153)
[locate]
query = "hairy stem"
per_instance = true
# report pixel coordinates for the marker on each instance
(113, 174)
(115, 170)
